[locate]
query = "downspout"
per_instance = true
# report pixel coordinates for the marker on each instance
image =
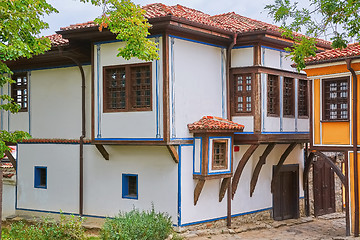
(355, 148)
(83, 133)
(228, 113)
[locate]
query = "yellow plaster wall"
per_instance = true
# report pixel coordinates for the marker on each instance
(316, 106)
(337, 133)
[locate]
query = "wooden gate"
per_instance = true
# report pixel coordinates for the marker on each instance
(286, 193)
(324, 188)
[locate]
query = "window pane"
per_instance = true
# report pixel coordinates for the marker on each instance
(242, 93)
(335, 104)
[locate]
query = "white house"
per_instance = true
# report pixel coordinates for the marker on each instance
(222, 109)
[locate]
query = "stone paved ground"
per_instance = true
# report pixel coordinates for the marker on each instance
(326, 227)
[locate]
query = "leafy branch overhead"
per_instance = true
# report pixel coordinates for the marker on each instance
(127, 21)
(338, 18)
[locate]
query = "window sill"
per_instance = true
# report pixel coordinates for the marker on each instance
(130, 197)
(42, 187)
(336, 120)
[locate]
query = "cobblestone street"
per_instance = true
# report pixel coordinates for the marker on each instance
(325, 227)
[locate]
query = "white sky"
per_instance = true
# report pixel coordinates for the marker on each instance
(73, 11)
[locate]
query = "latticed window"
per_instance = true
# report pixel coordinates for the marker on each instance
(243, 93)
(303, 98)
(336, 99)
(273, 95)
(288, 96)
(219, 159)
(19, 91)
(127, 88)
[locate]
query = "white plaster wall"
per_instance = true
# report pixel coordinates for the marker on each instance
(242, 57)
(303, 125)
(62, 162)
(289, 124)
(8, 198)
(271, 58)
(157, 180)
(271, 124)
(287, 62)
(136, 124)
(247, 121)
(198, 85)
(208, 206)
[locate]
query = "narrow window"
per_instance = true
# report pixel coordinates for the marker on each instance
(219, 158)
(303, 98)
(336, 99)
(243, 93)
(141, 87)
(288, 97)
(273, 95)
(40, 177)
(19, 91)
(130, 186)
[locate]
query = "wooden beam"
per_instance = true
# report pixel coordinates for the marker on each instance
(173, 152)
(261, 162)
(241, 166)
(198, 189)
(307, 166)
(102, 150)
(224, 186)
(336, 169)
(11, 158)
(280, 163)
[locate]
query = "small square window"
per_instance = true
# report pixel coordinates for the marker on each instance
(219, 158)
(130, 186)
(40, 177)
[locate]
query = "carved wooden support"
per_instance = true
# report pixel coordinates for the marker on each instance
(198, 189)
(173, 152)
(11, 158)
(280, 163)
(241, 166)
(335, 168)
(102, 150)
(307, 166)
(224, 186)
(261, 162)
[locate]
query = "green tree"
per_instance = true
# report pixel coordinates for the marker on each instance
(340, 18)
(20, 26)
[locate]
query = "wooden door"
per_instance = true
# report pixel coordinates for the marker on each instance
(324, 188)
(286, 193)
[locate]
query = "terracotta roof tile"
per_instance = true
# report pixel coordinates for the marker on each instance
(7, 169)
(80, 25)
(57, 40)
(43, 140)
(211, 123)
(350, 51)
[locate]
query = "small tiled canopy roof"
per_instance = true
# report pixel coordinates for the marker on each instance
(352, 50)
(57, 40)
(7, 169)
(215, 124)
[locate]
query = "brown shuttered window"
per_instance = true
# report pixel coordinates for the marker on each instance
(303, 98)
(19, 91)
(273, 95)
(243, 93)
(336, 99)
(219, 159)
(288, 97)
(127, 88)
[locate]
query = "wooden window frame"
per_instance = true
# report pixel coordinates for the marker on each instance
(277, 97)
(226, 160)
(244, 93)
(325, 99)
(306, 98)
(129, 106)
(15, 87)
(126, 186)
(290, 97)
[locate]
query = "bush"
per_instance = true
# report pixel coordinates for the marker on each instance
(135, 225)
(66, 229)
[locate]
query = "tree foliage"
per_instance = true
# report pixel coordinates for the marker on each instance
(339, 18)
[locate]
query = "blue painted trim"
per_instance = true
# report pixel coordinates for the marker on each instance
(229, 160)
(179, 187)
(262, 56)
(172, 88)
(157, 92)
(190, 40)
(280, 50)
(201, 144)
(125, 186)
(129, 139)
(222, 85)
(37, 177)
(238, 47)
(17, 175)
(244, 133)
(98, 90)
(174, 139)
(220, 218)
(285, 132)
(46, 68)
(263, 99)
(112, 41)
(52, 143)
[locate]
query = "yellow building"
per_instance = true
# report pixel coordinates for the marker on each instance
(334, 124)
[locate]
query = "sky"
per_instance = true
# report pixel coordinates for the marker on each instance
(73, 11)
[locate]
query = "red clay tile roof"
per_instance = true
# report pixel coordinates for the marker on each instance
(44, 140)
(7, 169)
(58, 40)
(211, 123)
(351, 50)
(80, 25)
